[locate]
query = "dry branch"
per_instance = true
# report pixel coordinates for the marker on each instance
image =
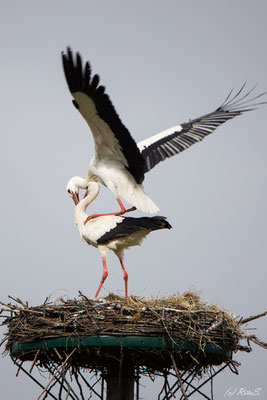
(252, 317)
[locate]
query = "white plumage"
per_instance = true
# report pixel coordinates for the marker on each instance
(119, 163)
(112, 232)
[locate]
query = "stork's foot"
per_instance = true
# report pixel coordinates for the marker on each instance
(93, 216)
(116, 213)
(125, 211)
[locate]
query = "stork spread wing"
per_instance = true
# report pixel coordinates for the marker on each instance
(112, 138)
(178, 138)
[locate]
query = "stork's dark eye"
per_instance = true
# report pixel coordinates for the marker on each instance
(69, 191)
(76, 105)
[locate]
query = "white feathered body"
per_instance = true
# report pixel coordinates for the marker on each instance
(112, 174)
(99, 226)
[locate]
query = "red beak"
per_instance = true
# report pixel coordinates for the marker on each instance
(76, 198)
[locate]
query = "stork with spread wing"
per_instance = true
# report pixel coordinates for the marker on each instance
(119, 162)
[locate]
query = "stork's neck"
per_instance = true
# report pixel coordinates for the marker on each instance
(80, 210)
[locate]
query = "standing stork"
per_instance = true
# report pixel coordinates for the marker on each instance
(119, 163)
(112, 232)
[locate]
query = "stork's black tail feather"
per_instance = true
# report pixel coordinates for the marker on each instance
(153, 223)
(130, 225)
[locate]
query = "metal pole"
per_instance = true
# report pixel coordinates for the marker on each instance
(120, 381)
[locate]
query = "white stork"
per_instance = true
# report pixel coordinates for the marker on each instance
(119, 163)
(111, 232)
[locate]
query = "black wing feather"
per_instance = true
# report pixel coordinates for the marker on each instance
(196, 130)
(80, 80)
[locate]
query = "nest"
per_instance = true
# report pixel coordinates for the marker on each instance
(176, 319)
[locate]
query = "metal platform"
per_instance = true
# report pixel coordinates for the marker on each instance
(119, 362)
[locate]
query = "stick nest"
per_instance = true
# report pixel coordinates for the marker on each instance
(175, 317)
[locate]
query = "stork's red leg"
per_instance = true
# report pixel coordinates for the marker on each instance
(125, 277)
(104, 276)
(123, 211)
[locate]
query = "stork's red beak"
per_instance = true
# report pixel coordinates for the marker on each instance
(76, 198)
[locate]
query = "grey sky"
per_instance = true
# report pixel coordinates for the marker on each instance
(162, 62)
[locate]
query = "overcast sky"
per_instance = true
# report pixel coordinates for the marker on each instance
(162, 62)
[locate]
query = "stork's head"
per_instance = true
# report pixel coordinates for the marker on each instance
(73, 187)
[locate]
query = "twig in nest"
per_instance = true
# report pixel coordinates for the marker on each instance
(17, 374)
(252, 317)
(214, 326)
(85, 297)
(247, 349)
(255, 340)
(90, 302)
(178, 377)
(196, 361)
(58, 354)
(19, 301)
(233, 367)
(34, 360)
(56, 371)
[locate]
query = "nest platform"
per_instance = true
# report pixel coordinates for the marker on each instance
(181, 339)
(150, 331)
